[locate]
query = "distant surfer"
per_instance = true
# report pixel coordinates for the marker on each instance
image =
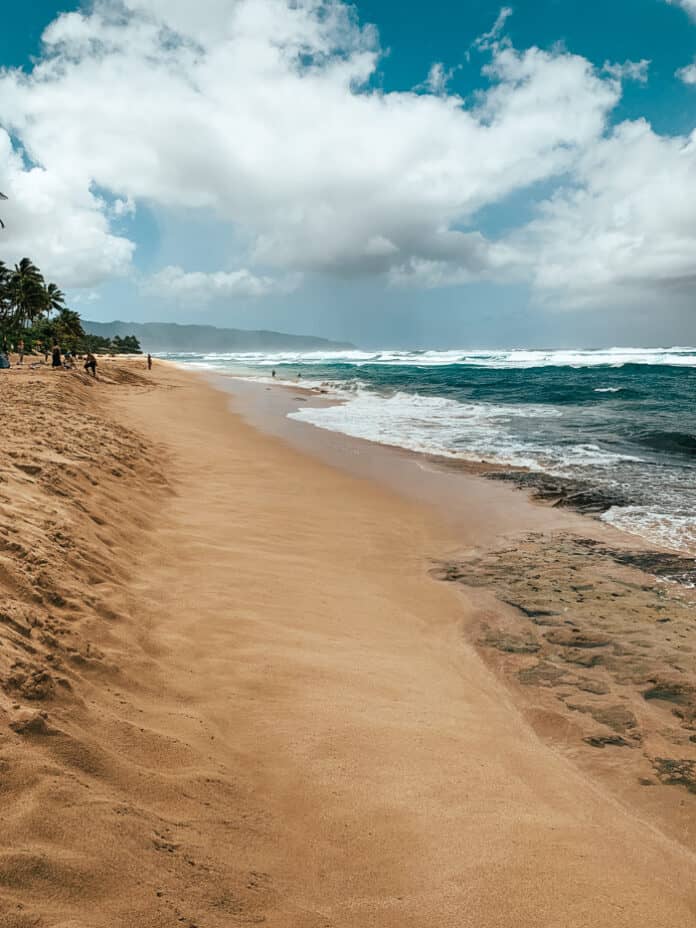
(272, 373)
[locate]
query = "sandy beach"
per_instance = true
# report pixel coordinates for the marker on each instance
(240, 685)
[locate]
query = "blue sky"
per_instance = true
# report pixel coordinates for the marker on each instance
(533, 197)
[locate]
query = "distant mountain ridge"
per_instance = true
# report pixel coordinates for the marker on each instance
(170, 336)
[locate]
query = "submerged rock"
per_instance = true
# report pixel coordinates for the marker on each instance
(512, 644)
(542, 674)
(675, 567)
(575, 638)
(531, 609)
(682, 694)
(596, 687)
(618, 718)
(565, 492)
(584, 658)
(676, 772)
(601, 741)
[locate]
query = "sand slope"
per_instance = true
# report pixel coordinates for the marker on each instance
(261, 709)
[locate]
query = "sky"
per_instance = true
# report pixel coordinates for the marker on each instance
(389, 173)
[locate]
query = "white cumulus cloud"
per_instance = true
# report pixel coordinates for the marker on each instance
(57, 219)
(688, 5)
(174, 283)
(629, 70)
(688, 73)
(265, 115)
(626, 229)
(260, 111)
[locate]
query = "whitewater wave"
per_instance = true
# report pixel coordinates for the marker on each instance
(491, 433)
(628, 431)
(446, 427)
(518, 358)
(675, 530)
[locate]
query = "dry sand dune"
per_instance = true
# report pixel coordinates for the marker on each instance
(232, 694)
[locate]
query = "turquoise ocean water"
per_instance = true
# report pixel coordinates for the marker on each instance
(621, 419)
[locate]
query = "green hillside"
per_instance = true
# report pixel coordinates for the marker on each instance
(164, 336)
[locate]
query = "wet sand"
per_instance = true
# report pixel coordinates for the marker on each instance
(235, 691)
(583, 622)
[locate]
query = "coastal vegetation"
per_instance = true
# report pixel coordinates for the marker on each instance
(34, 310)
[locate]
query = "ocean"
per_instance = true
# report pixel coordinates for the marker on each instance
(622, 419)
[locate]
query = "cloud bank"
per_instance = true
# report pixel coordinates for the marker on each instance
(688, 5)
(174, 283)
(265, 114)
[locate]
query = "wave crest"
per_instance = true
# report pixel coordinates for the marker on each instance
(517, 358)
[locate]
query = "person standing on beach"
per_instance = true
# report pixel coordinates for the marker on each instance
(91, 364)
(149, 361)
(56, 362)
(20, 350)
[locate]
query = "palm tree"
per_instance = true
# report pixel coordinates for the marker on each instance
(5, 299)
(55, 299)
(70, 322)
(2, 197)
(67, 327)
(27, 292)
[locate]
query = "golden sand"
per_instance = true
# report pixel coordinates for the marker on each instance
(234, 694)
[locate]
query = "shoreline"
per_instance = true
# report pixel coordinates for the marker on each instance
(573, 646)
(573, 494)
(551, 494)
(274, 710)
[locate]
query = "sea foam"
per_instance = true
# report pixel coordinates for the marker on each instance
(619, 419)
(441, 426)
(520, 358)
